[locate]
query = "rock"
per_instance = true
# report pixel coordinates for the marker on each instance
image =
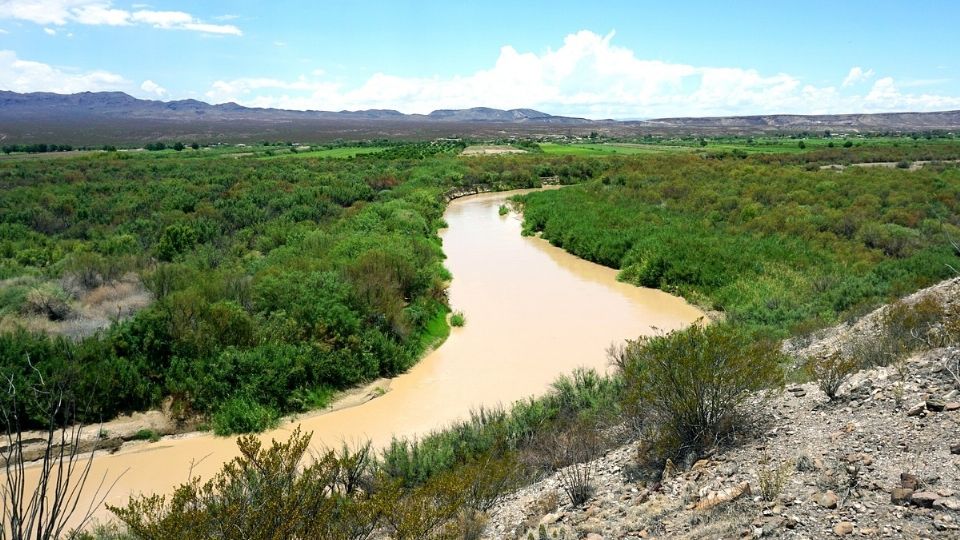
(549, 519)
(955, 449)
(947, 503)
(669, 471)
(701, 464)
(935, 405)
(826, 500)
(901, 496)
(594, 536)
(714, 498)
(909, 481)
(917, 409)
(924, 499)
(952, 406)
(843, 528)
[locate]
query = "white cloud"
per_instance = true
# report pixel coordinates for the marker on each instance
(2, 31)
(587, 76)
(28, 76)
(49, 31)
(151, 87)
(102, 13)
(226, 29)
(162, 19)
(857, 75)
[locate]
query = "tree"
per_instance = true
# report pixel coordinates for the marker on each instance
(801, 145)
(178, 146)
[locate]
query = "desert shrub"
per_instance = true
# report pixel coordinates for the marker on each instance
(265, 493)
(569, 451)
(832, 371)
(47, 301)
(915, 325)
(87, 269)
(457, 319)
(773, 477)
(692, 385)
(905, 327)
(146, 435)
(243, 415)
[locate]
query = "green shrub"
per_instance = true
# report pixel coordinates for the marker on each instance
(146, 435)
(243, 415)
(690, 387)
(457, 319)
(832, 371)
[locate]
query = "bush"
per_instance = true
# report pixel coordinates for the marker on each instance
(773, 477)
(570, 452)
(691, 386)
(832, 371)
(457, 319)
(47, 301)
(146, 435)
(243, 415)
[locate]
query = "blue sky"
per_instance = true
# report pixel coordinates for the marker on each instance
(600, 60)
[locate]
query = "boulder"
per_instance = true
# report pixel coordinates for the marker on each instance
(909, 481)
(901, 496)
(924, 499)
(826, 500)
(947, 503)
(917, 409)
(843, 528)
(935, 405)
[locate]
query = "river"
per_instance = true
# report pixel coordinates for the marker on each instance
(533, 312)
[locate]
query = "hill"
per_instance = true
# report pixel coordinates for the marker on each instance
(880, 461)
(93, 118)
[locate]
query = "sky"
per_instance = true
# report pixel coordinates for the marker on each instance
(610, 59)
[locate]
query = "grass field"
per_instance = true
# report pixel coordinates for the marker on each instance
(606, 149)
(340, 152)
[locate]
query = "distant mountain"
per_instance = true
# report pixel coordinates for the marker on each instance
(93, 118)
(111, 104)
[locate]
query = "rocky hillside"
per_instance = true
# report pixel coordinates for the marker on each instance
(880, 461)
(905, 121)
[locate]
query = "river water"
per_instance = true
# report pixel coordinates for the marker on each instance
(533, 313)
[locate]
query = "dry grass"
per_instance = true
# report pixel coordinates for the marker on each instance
(90, 311)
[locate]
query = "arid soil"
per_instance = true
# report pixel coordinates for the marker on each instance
(881, 461)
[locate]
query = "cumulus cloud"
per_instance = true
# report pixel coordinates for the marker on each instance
(589, 75)
(49, 31)
(28, 76)
(857, 75)
(102, 13)
(153, 88)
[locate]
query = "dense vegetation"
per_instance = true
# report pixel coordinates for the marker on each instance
(274, 281)
(776, 247)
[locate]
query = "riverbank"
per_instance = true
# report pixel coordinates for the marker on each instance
(528, 322)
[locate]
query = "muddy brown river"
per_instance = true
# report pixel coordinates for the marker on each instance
(533, 313)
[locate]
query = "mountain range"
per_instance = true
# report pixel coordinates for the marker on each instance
(116, 118)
